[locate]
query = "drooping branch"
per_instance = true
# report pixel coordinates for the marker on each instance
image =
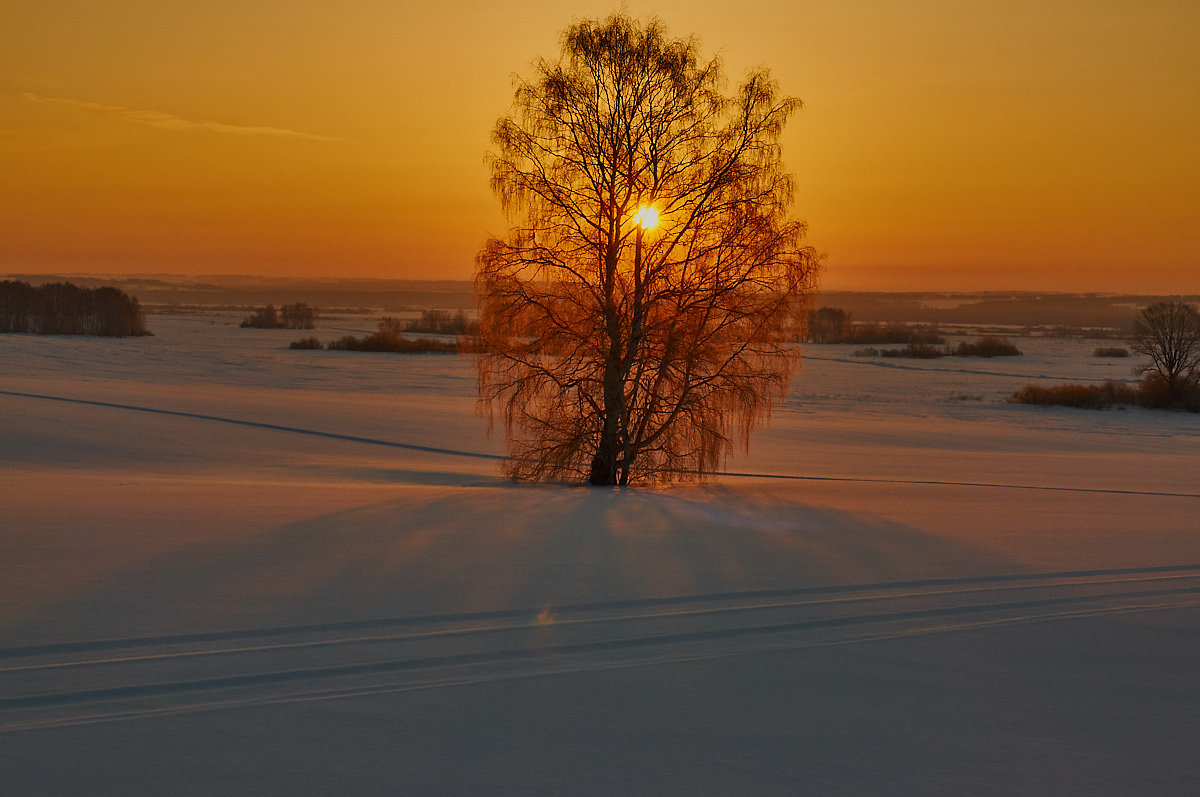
(620, 353)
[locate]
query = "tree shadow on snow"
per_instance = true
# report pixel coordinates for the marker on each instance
(463, 549)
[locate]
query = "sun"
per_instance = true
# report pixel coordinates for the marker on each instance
(647, 218)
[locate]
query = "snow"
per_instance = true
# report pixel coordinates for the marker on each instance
(227, 567)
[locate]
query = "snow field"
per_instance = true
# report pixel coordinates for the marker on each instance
(229, 567)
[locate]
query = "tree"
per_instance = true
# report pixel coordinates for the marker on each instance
(298, 316)
(1169, 334)
(63, 308)
(633, 321)
(828, 325)
(263, 318)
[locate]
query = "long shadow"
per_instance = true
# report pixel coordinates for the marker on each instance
(497, 457)
(495, 553)
(258, 425)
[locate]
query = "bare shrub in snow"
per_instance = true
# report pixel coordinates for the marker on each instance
(1152, 393)
(1099, 396)
(987, 346)
(389, 338)
(916, 351)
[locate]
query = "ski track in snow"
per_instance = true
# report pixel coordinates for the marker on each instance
(476, 647)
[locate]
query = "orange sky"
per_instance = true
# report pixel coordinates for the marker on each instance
(1051, 145)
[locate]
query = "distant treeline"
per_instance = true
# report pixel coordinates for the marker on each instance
(290, 316)
(61, 308)
(834, 325)
(443, 322)
(985, 346)
(1076, 315)
(389, 337)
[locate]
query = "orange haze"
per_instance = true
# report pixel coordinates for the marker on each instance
(944, 145)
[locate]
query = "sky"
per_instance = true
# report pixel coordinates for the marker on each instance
(943, 145)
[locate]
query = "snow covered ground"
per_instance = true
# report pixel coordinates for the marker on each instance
(227, 567)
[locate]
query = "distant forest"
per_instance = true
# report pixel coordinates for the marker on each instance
(60, 308)
(1113, 312)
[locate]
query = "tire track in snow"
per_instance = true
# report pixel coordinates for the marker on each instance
(313, 696)
(620, 640)
(530, 622)
(1056, 578)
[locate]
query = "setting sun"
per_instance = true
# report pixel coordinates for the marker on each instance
(647, 218)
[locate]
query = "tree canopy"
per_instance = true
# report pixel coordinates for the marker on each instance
(1169, 334)
(636, 319)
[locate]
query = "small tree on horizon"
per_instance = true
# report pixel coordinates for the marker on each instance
(828, 325)
(633, 321)
(1169, 334)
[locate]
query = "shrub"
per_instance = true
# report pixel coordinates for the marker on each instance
(1152, 393)
(305, 343)
(263, 318)
(398, 345)
(388, 338)
(916, 351)
(1157, 393)
(987, 347)
(1111, 351)
(1092, 397)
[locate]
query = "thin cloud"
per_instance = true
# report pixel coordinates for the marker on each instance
(168, 121)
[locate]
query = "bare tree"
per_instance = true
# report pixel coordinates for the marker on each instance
(1169, 334)
(633, 320)
(828, 325)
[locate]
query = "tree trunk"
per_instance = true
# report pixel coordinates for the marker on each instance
(604, 463)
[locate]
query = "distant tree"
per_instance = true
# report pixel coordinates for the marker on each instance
(389, 327)
(635, 320)
(264, 318)
(827, 325)
(298, 316)
(63, 308)
(19, 304)
(1169, 334)
(443, 322)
